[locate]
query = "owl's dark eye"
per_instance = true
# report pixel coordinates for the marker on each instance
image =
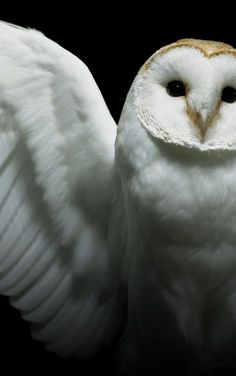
(228, 94)
(176, 88)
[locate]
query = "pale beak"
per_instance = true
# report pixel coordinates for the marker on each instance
(202, 121)
(203, 115)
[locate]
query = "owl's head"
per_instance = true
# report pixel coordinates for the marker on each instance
(185, 94)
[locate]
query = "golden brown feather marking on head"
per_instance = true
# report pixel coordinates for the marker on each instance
(207, 47)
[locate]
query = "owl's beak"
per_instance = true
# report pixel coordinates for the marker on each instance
(201, 120)
(202, 113)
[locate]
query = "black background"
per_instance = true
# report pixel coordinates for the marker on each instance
(114, 46)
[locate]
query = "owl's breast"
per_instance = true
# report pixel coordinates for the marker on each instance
(186, 217)
(189, 201)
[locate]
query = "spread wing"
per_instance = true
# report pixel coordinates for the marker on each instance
(57, 190)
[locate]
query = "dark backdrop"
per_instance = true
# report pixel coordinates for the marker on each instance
(114, 50)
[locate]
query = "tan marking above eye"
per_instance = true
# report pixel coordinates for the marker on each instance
(207, 47)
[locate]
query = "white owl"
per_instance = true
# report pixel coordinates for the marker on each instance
(128, 231)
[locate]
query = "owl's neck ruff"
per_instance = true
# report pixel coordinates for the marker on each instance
(158, 131)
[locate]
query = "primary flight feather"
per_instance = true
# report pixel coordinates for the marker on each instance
(56, 197)
(99, 222)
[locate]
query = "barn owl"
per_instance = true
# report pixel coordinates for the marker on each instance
(121, 233)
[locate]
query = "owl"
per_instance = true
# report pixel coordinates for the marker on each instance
(125, 233)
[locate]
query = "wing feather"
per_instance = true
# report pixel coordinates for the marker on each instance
(57, 185)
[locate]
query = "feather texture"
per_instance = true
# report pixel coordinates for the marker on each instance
(57, 182)
(89, 224)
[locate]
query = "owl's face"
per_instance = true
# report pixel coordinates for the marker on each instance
(185, 94)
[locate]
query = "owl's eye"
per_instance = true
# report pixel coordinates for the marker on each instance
(228, 94)
(176, 88)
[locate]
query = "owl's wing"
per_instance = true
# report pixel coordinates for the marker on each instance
(57, 184)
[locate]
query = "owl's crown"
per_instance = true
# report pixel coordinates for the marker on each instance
(207, 47)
